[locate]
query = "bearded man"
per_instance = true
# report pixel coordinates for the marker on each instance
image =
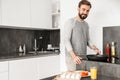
(76, 37)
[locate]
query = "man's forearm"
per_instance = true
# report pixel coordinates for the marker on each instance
(93, 47)
(76, 59)
(72, 53)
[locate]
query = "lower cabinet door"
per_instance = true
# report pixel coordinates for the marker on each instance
(23, 69)
(48, 66)
(34, 68)
(4, 76)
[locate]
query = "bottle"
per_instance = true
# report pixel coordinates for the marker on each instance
(20, 50)
(113, 49)
(107, 50)
(113, 52)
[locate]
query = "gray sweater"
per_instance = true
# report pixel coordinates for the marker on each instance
(76, 36)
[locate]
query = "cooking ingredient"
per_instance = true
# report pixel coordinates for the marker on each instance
(73, 75)
(83, 73)
(77, 77)
(113, 52)
(113, 49)
(68, 75)
(108, 49)
(63, 75)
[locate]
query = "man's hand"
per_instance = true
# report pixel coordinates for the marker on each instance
(97, 51)
(77, 60)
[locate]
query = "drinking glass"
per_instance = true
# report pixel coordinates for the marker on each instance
(93, 72)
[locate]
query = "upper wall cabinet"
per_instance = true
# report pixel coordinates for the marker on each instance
(0, 12)
(26, 13)
(41, 13)
(15, 12)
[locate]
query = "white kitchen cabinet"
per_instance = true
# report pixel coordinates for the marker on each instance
(4, 70)
(0, 12)
(49, 66)
(23, 69)
(34, 68)
(4, 76)
(15, 12)
(41, 13)
(26, 13)
(56, 13)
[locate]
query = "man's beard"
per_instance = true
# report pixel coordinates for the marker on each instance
(82, 16)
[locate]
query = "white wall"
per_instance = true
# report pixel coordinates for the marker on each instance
(0, 13)
(103, 13)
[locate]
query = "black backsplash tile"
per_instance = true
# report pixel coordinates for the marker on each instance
(12, 38)
(55, 38)
(43, 38)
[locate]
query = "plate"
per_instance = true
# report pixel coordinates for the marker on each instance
(83, 71)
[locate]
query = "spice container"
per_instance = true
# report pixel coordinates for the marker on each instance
(113, 49)
(107, 50)
(113, 52)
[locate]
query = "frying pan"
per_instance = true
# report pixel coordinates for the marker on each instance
(101, 58)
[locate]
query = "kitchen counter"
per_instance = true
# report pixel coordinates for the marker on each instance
(100, 77)
(106, 69)
(28, 66)
(28, 55)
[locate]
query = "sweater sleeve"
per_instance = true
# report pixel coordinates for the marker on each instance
(67, 35)
(89, 42)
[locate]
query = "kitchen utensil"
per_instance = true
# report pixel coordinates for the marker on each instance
(94, 57)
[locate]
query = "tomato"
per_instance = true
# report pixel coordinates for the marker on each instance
(84, 73)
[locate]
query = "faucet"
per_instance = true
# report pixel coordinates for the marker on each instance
(24, 49)
(35, 45)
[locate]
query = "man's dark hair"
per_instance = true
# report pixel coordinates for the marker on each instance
(84, 2)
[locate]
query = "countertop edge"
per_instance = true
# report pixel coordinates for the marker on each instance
(27, 57)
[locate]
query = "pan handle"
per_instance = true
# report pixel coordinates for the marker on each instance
(116, 57)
